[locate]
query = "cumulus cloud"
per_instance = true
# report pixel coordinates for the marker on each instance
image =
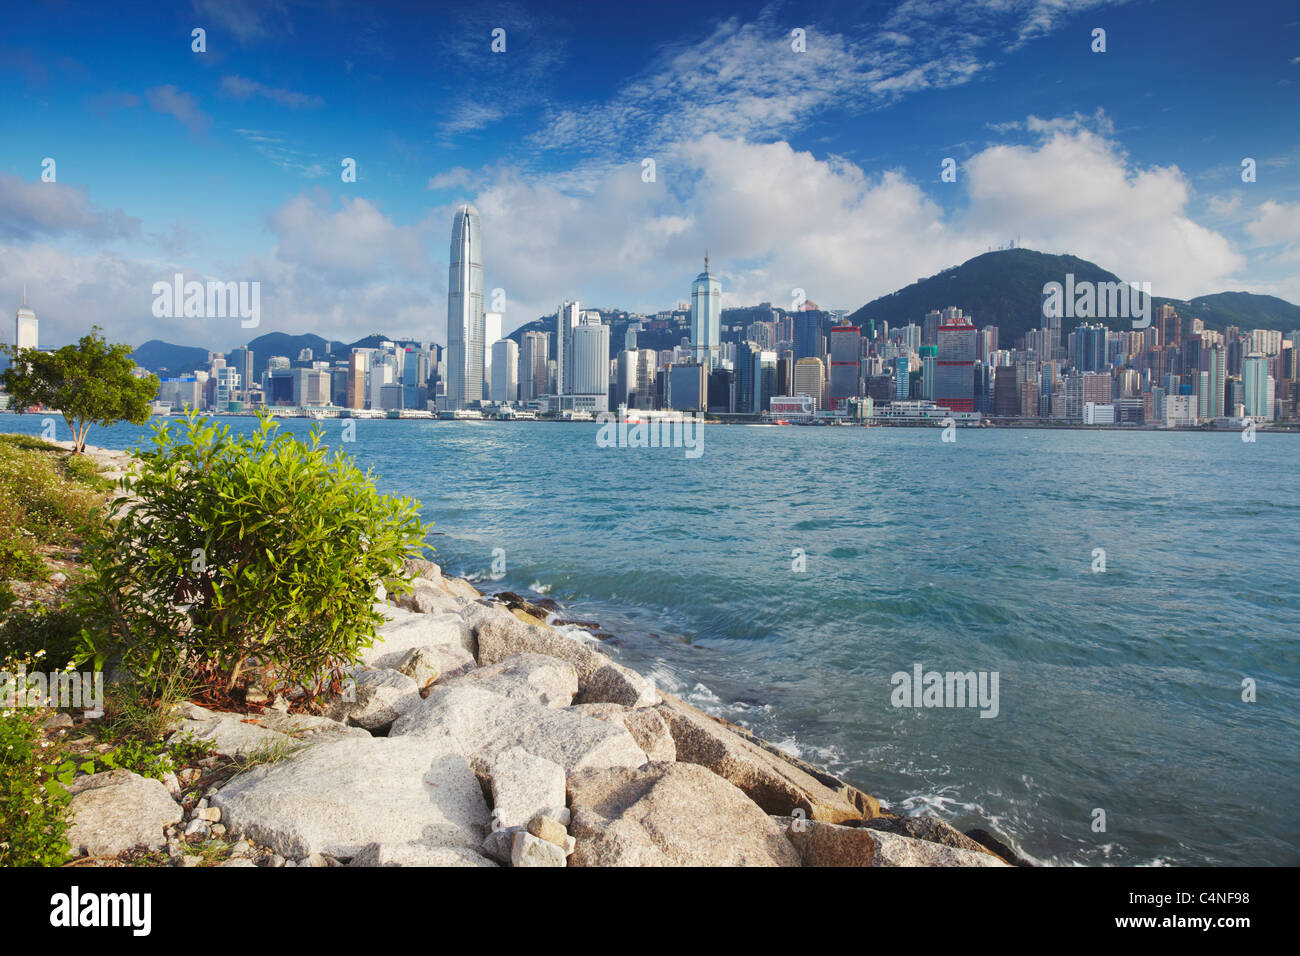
(40, 209)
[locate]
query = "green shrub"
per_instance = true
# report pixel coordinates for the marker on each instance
(43, 501)
(245, 545)
(33, 803)
(51, 635)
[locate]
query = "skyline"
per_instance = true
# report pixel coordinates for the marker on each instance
(818, 170)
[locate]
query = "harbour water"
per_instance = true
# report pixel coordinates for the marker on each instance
(781, 578)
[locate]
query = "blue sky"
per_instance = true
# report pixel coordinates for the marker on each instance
(818, 170)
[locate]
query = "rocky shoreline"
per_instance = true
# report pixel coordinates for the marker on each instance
(475, 733)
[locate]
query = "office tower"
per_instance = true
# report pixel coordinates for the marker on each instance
(1167, 322)
(416, 368)
(630, 336)
(591, 364)
(241, 359)
(687, 387)
(809, 377)
(910, 335)
(465, 318)
(1091, 348)
(929, 367)
(26, 328)
(706, 317)
(505, 368)
(902, 378)
(846, 346)
(491, 336)
(533, 362)
(646, 369)
(807, 334)
(567, 317)
(955, 374)
(625, 380)
(358, 367)
(983, 388)
(1257, 393)
(746, 366)
(930, 327)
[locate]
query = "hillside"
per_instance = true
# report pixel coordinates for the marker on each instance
(1004, 288)
(167, 360)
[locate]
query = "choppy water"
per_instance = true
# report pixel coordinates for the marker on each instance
(1118, 690)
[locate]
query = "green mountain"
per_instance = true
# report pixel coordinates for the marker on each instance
(167, 360)
(1004, 288)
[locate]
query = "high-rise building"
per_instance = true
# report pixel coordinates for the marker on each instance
(929, 368)
(706, 318)
(26, 328)
(1217, 381)
(954, 386)
(533, 362)
(491, 336)
(687, 387)
(358, 366)
(809, 378)
(241, 359)
(465, 318)
(567, 317)
(1256, 385)
(592, 359)
(505, 368)
(902, 378)
(845, 346)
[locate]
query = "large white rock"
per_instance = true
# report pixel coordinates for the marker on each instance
(646, 725)
(382, 695)
(407, 631)
(428, 597)
(499, 638)
(230, 734)
(615, 684)
(307, 727)
(485, 725)
(338, 797)
(829, 844)
(417, 854)
(524, 785)
(118, 811)
(539, 678)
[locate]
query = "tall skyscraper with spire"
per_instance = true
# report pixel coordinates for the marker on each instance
(706, 318)
(26, 329)
(465, 319)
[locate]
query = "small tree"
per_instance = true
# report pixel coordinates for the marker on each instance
(89, 383)
(244, 545)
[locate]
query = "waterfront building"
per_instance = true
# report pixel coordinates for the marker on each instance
(465, 316)
(567, 317)
(505, 371)
(706, 318)
(845, 347)
(955, 363)
(809, 379)
(533, 366)
(1257, 387)
(686, 387)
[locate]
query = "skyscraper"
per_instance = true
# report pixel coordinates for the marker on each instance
(26, 328)
(706, 318)
(533, 362)
(591, 364)
(845, 347)
(954, 384)
(505, 366)
(566, 320)
(809, 376)
(465, 320)
(1255, 383)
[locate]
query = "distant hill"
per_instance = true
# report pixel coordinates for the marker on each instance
(167, 360)
(1004, 288)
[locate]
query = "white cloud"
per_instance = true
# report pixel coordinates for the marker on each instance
(32, 209)
(1275, 222)
(173, 102)
(243, 88)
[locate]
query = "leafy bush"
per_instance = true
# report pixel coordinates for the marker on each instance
(50, 634)
(245, 545)
(33, 825)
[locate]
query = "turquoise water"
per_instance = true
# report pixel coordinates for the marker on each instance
(1118, 690)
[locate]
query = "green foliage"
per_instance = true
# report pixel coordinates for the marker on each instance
(33, 803)
(89, 383)
(142, 706)
(245, 545)
(48, 635)
(43, 501)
